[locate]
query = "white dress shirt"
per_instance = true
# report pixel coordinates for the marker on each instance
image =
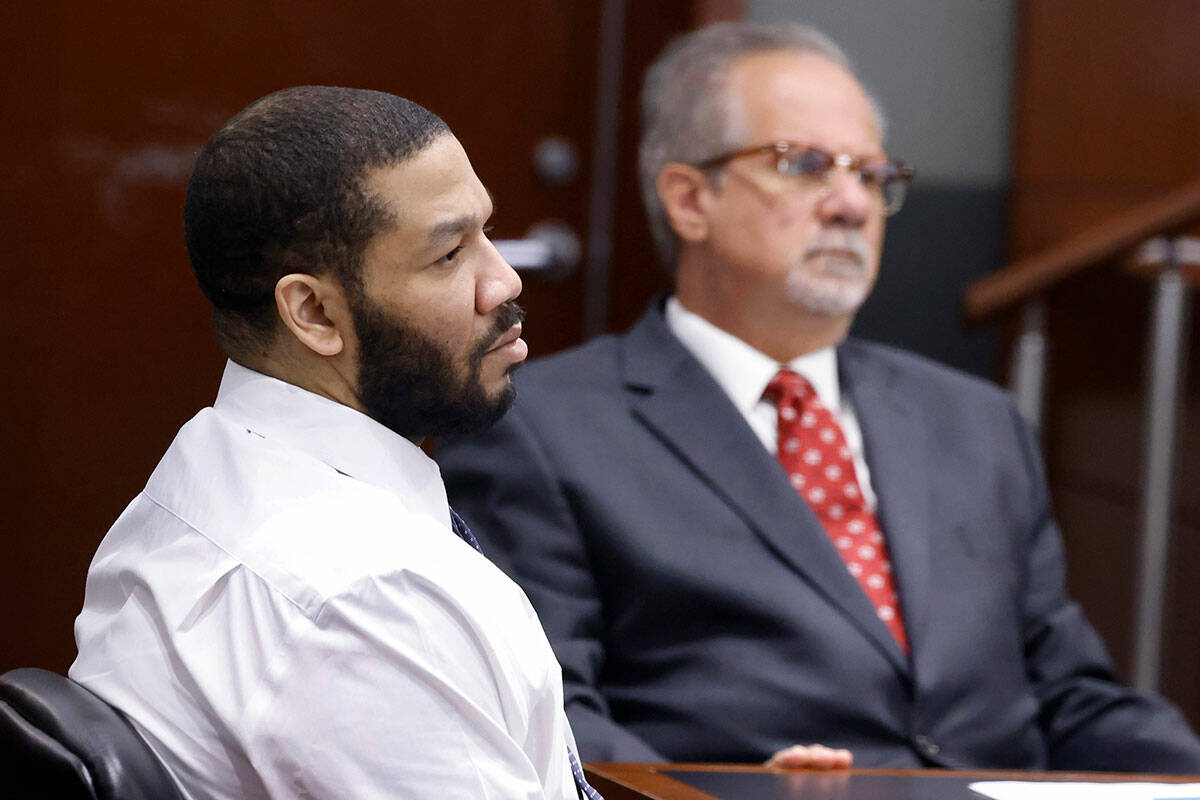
(284, 611)
(743, 373)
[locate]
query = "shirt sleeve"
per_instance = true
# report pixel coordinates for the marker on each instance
(396, 689)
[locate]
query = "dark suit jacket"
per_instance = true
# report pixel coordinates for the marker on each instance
(700, 612)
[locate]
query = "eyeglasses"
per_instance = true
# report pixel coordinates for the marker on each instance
(885, 178)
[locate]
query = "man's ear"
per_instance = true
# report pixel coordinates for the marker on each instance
(682, 190)
(314, 309)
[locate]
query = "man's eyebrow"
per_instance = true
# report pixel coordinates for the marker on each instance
(454, 226)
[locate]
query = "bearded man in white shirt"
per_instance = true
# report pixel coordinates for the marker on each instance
(288, 609)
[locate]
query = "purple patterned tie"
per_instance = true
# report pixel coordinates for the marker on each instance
(585, 789)
(462, 531)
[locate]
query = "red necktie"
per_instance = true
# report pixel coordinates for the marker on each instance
(813, 451)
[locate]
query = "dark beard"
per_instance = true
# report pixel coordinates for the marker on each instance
(411, 385)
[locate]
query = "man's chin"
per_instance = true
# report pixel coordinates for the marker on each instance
(494, 387)
(833, 297)
(477, 417)
(500, 397)
(503, 397)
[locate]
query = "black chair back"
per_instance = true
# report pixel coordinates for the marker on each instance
(59, 740)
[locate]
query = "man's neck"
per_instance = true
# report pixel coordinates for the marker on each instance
(298, 366)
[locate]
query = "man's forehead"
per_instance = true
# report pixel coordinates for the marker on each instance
(804, 97)
(787, 68)
(433, 191)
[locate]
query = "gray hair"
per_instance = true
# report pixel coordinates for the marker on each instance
(687, 114)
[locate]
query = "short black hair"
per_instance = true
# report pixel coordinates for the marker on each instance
(279, 189)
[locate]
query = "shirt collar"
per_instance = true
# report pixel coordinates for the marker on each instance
(742, 371)
(341, 437)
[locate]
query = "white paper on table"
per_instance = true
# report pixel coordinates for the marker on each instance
(1055, 790)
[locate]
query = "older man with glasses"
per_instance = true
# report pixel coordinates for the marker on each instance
(744, 531)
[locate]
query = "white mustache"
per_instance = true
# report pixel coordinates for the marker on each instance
(843, 241)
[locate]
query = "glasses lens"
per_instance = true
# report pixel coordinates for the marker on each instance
(890, 178)
(807, 161)
(894, 192)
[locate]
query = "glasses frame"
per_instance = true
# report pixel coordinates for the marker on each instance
(854, 164)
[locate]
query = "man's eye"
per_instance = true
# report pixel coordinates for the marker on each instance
(809, 161)
(450, 256)
(814, 162)
(878, 174)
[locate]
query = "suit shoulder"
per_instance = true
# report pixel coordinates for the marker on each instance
(585, 367)
(924, 370)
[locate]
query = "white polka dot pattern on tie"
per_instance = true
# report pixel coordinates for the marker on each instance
(585, 789)
(813, 450)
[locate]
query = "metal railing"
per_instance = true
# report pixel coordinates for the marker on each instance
(1149, 239)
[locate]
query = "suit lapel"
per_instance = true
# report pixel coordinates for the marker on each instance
(898, 455)
(676, 398)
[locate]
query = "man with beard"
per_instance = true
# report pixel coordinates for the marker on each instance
(290, 608)
(742, 530)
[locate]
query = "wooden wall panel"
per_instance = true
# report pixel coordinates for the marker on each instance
(1107, 109)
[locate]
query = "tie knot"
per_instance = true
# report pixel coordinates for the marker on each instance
(787, 387)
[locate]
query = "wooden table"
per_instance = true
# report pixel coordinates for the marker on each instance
(740, 782)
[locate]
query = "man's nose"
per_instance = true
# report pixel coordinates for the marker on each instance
(846, 199)
(497, 283)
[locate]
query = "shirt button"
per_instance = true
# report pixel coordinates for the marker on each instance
(927, 746)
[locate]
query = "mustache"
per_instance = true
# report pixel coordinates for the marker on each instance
(847, 241)
(507, 315)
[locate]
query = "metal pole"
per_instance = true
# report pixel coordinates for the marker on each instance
(602, 199)
(1028, 370)
(1162, 418)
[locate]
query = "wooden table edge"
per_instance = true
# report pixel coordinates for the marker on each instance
(631, 781)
